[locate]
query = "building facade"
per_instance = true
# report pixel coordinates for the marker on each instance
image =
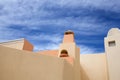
(19, 62)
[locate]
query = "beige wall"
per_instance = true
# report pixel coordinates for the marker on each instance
(24, 65)
(21, 44)
(49, 52)
(68, 71)
(93, 66)
(27, 45)
(70, 47)
(77, 64)
(113, 55)
(17, 44)
(68, 38)
(74, 52)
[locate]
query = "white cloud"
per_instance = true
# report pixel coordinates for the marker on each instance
(54, 41)
(34, 14)
(9, 34)
(106, 4)
(87, 50)
(54, 38)
(24, 12)
(49, 46)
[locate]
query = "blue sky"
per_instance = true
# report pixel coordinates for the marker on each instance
(43, 22)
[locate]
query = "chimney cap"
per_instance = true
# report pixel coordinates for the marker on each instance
(69, 32)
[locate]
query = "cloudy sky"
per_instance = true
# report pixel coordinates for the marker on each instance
(43, 22)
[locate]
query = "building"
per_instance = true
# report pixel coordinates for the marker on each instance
(19, 62)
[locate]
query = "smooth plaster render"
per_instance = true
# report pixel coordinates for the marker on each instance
(93, 66)
(113, 53)
(24, 65)
(21, 44)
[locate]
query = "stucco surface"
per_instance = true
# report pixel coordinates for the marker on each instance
(93, 66)
(21, 44)
(49, 52)
(17, 44)
(27, 45)
(68, 38)
(113, 55)
(24, 65)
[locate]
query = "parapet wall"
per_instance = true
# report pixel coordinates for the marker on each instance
(112, 49)
(21, 44)
(24, 65)
(93, 66)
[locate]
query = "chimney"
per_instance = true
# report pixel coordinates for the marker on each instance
(68, 37)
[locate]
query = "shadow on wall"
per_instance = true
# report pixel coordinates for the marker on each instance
(83, 74)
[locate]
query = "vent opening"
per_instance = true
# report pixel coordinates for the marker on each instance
(111, 43)
(64, 53)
